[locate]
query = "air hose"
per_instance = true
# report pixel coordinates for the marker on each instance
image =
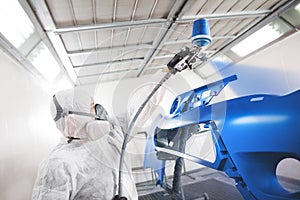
(130, 128)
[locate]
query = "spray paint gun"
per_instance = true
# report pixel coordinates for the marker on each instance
(188, 56)
(181, 61)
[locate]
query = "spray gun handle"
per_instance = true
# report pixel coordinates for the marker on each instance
(182, 60)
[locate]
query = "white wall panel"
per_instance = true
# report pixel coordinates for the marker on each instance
(27, 131)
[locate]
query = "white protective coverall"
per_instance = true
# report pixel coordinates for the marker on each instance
(86, 168)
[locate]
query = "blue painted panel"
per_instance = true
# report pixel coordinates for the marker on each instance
(254, 133)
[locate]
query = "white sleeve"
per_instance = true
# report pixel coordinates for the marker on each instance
(53, 181)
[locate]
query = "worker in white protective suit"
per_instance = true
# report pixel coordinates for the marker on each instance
(84, 165)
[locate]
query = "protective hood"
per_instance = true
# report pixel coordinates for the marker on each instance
(76, 100)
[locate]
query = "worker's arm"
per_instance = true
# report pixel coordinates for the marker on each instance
(53, 181)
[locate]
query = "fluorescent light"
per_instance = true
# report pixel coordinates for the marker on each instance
(15, 24)
(44, 62)
(257, 40)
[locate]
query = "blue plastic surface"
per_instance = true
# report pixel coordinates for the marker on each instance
(252, 134)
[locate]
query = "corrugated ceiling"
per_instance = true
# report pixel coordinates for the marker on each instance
(106, 40)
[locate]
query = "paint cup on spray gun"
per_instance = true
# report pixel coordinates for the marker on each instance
(201, 33)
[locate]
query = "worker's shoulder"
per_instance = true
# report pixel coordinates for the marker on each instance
(67, 153)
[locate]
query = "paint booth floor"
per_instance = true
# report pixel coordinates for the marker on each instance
(215, 184)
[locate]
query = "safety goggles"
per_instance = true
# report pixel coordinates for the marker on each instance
(101, 113)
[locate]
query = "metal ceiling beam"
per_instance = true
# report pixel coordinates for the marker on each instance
(165, 56)
(221, 37)
(101, 64)
(172, 55)
(105, 73)
(176, 11)
(115, 48)
(156, 67)
(229, 15)
(114, 25)
(46, 21)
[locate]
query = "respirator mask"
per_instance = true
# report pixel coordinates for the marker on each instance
(100, 112)
(101, 126)
(95, 128)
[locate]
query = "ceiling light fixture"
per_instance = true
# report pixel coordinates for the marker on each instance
(257, 40)
(44, 62)
(15, 24)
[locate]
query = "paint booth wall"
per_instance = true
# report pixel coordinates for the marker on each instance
(27, 131)
(274, 70)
